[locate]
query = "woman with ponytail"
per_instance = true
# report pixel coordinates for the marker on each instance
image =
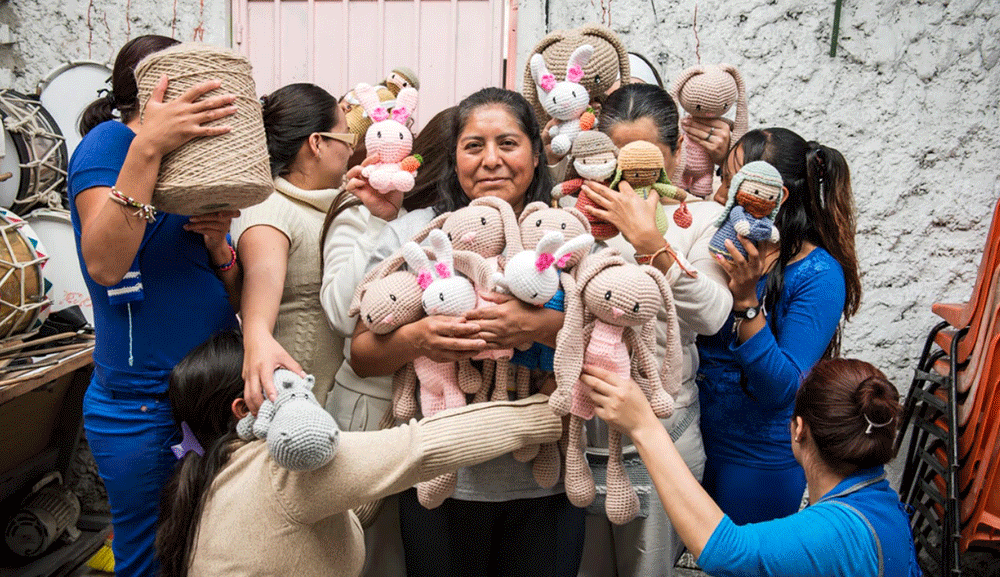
(160, 285)
(230, 510)
(842, 431)
(788, 301)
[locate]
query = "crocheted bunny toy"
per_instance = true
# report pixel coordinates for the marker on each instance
(300, 435)
(754, 198)
(640, 164)
(533, 275)
(566, 101)
(608, 64)
(443, 385)
(706, 93)
(391, 139)
(487, 227)
(611, 308)
(594, 158)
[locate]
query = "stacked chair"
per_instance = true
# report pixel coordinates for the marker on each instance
(950, 479)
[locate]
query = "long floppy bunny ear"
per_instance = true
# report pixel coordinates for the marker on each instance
(544, 80)
(568, 360)
(406, 103)
(511, 232)
(382, 269)
(418, 263)
(528, 89)
(368, 97)
(475, 267)
(577, 60)
(740, 123)
(443, 253)
(672, 369)
(564, 253)
(681, 80)
(437, 223)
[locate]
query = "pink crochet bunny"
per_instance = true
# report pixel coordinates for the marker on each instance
(390, 138)
(566, 101)
(611, 307)
(706, 93)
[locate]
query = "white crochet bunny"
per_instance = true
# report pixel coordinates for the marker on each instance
(566, 101)
(443, 385)
(391, 139)
(533, 275)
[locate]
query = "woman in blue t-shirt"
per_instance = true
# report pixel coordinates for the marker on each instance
(161, 284)
(788, 299)
(842, 432)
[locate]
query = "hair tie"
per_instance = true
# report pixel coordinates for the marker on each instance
(107, 93)
(188, 443)
(872, 425)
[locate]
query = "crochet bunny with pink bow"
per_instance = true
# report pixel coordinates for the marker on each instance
(390, 138)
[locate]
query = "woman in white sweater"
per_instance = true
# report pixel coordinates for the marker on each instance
(649, 545)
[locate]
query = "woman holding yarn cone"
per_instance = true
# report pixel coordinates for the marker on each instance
(788, 300)
(160, 283)
(499, 520)
(649, 545)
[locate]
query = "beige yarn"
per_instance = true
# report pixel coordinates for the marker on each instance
(230, 171)
(609, 62)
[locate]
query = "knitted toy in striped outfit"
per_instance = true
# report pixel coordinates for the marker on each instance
(640, 164)
(300, 435)
(611, 307)
(706, 93)
(594, 158)
(390, 139)
(754, 198)
(567, 101)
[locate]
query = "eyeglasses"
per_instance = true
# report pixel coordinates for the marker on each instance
(348, 138)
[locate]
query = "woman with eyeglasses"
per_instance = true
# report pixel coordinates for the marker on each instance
(277, 240)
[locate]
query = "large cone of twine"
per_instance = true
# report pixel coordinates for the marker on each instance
(211, 173)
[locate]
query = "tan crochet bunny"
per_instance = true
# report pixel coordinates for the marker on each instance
(611, 309)
(706, 93)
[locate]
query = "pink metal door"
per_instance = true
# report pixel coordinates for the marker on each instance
(455, 46)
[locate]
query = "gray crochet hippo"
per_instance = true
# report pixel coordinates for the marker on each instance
(300, 435)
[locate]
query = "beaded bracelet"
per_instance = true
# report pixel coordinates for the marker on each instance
(650, 258)
(232, 260)
(144, 211)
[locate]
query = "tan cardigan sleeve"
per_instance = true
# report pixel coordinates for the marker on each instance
(372, 465)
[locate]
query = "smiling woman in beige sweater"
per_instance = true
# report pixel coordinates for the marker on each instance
(233, 511)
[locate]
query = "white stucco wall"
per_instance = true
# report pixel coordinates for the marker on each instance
(48, 33)
(911, 100)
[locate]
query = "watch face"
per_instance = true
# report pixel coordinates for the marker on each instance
(751, 313)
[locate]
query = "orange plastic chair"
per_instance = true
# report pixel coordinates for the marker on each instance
(959, 315)
(972, 346)
(983, 523)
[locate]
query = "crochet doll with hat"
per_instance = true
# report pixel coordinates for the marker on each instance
(611, 312)
(755, 195)
(640, 164)
(300, 435)
(608, 64)
(400, 78)
(706, 93)
(594, 158)
(567, 100)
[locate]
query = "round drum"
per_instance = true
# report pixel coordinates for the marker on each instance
(68, 90)
(23, 301)
(55, 229)
(230, 171)
(34, 139)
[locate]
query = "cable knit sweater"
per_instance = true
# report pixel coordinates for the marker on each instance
(260, 519)
(302, 328)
